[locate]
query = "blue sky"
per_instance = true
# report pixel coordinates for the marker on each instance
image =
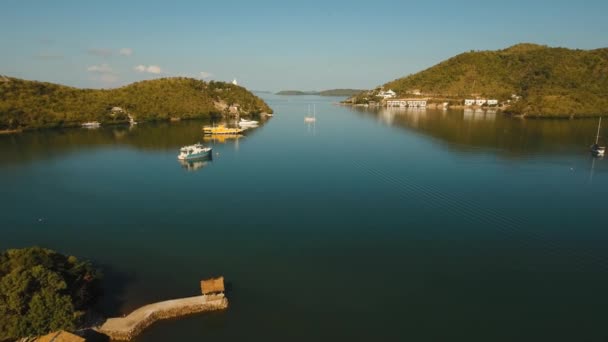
(274, 45)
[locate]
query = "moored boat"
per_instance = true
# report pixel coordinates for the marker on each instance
(309, 118)
(247, 123)
(91, 124)
(596, 149)
(192, 152)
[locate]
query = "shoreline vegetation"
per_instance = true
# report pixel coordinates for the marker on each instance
(526, 80)
(28, 105)
(330, 92)
(43, 291)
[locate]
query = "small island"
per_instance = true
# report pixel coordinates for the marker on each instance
(331, 92)
(26, 105)
(525, 80)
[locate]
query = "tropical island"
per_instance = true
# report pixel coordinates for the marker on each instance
(28, 105)
(43, 291)
(525, 80)
(330, 92)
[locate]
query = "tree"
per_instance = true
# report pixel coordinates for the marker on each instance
(42, 291)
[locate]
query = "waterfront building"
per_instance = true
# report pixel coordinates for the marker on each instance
(492, 102)
(469, 102)
(480, 102)
(387, 94)
(410, 103)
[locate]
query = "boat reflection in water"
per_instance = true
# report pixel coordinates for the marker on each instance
(222, 139)
(195, 165)
(413, 115)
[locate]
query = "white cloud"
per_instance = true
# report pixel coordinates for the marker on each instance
(100, 69)
(205, 74)
(151, 69)
(125, 52)
(154, 69)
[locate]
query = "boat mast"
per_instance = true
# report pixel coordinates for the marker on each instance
(597, 138)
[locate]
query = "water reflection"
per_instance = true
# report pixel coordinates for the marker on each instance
(222, 139)
(490, 129)
(166, 136)
(195, 165)
(479, 114)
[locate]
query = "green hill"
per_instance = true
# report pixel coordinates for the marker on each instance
(330, 92)
(31, 104)
(550, 81)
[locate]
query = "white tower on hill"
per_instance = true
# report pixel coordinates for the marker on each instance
(235, 82)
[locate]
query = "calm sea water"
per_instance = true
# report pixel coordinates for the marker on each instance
(369, 225)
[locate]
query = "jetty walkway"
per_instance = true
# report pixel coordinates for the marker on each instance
(128, 327)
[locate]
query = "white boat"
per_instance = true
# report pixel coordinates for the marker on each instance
(312, 118)
(192, 152)
(248, 123)
(596, 149)
(132, 120)
(91, 124)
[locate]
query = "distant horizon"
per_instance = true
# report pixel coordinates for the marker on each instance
(274, 46)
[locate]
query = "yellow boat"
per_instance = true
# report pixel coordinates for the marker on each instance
(221, 129)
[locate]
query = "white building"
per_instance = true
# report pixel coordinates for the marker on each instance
(492, 102)
(416, 103)
(235, 82)
(480, 102)
(387, 94)
(469, 102)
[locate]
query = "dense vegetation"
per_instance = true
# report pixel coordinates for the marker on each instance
(550, 81)
(31, 104)
(331, 92)
(42, 291)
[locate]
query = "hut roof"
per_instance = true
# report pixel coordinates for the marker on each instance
(60, 336)
(212, 285)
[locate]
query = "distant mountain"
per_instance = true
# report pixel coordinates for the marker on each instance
(549, 81)
(331, 92)
(32, 104)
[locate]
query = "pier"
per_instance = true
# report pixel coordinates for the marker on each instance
(128, 327)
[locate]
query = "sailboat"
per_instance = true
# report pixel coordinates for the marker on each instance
(596, 149)
(309, 118)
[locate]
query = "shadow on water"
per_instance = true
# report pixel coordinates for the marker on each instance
(93, 336)
(115, 284)
(490, 129)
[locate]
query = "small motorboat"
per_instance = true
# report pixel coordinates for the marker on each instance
(193, 152)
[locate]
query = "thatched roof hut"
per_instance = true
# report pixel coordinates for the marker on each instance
(213, 285)
(60, 336)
